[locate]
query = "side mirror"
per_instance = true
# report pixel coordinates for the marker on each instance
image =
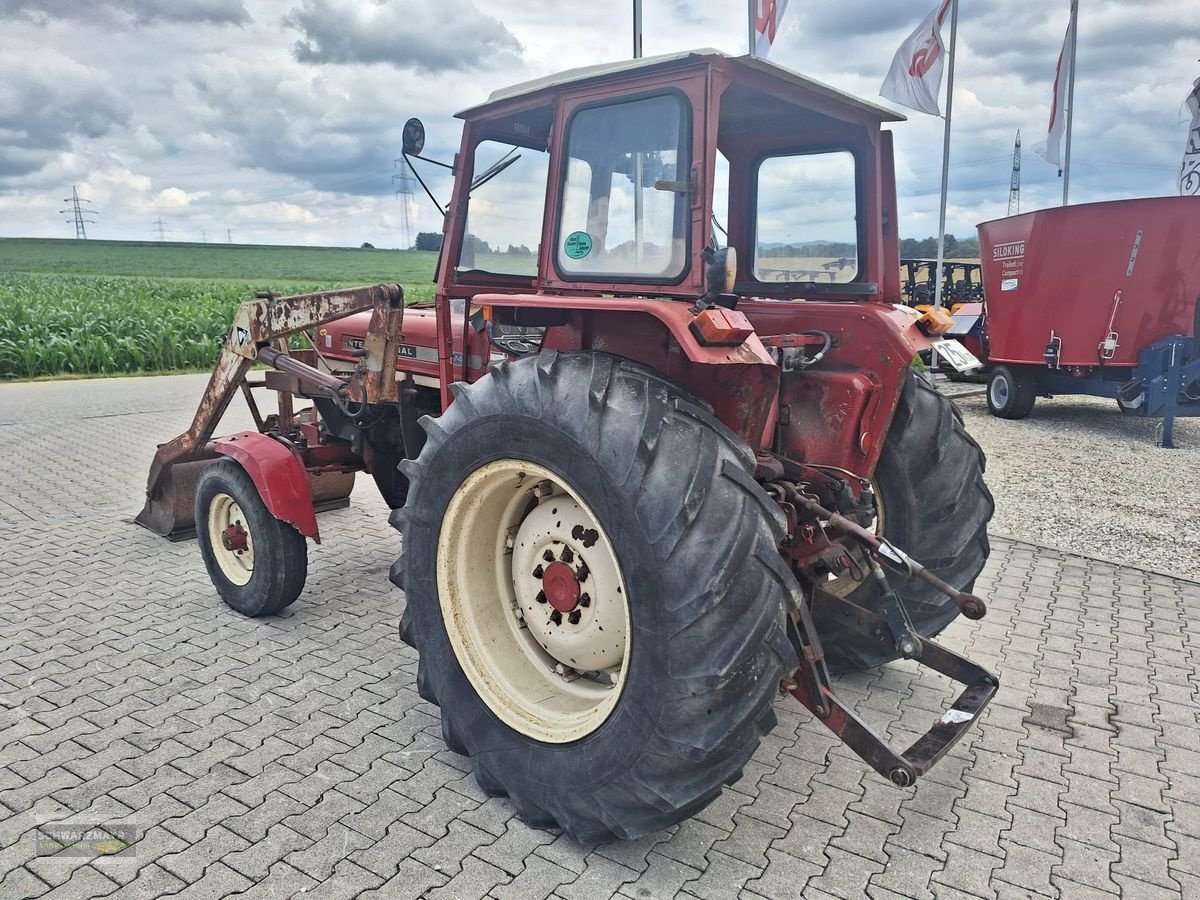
(720, 270)
(413, 137)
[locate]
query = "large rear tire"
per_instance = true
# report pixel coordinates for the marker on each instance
(565, 474)
(935, 506)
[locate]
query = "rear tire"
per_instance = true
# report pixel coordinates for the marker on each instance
(936, 507)
(693, 549)
(268, 573)
(1011, 392)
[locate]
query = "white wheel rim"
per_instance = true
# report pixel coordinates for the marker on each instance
(999, 391)
(533, 601)
(227, 530)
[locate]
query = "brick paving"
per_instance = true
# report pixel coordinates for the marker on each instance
(292, 755)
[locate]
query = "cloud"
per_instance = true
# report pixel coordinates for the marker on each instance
(117, 12)
(44, 109)
(447, 36)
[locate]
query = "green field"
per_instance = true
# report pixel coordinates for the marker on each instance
(110, 307)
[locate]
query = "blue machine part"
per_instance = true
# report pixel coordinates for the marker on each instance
(1165, 382)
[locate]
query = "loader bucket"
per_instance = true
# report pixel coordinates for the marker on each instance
(171, 510)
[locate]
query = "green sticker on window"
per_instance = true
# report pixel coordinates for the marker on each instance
(578, 244)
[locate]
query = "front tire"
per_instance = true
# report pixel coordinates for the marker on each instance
(257, 563)
(638, 495)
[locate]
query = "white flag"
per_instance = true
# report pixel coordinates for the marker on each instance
(1189, 174)
(767, 16)
(915, 79)
(1051, 149)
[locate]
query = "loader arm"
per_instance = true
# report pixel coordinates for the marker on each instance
(266, 319)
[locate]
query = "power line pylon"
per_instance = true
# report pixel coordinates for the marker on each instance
(1014, 190)
(79, 215)
(405, 193)
(228, 236)
(162, 229)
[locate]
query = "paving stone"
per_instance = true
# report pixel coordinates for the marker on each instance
(599, 879)
(966, 871)
(540, 878)
(384, 856)
(723, 877)
(475, 880)
(413, 880)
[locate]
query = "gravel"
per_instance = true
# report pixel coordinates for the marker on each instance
(1080, 476)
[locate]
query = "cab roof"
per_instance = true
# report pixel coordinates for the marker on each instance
(607, 71)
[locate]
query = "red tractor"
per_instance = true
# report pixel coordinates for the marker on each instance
(653, 463)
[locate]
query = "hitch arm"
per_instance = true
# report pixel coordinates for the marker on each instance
(814, 691)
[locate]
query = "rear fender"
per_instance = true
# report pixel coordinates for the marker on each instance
(278, 475)
(740, 383)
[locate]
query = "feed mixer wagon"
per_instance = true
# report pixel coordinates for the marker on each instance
(1098, 298)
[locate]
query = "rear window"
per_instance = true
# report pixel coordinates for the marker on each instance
(626, 193)
(807, 218)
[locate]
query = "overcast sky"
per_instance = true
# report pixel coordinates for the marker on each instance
(278, 121)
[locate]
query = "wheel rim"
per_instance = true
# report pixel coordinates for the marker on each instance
(533, 601)
(999, 391)
(230, 539)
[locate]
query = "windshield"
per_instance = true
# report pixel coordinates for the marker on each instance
(505, 210)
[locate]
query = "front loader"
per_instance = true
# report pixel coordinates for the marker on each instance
(658, 462)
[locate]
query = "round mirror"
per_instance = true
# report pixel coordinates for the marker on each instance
(414, 137)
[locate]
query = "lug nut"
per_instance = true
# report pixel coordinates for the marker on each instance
(585, 600)
(539, 572)
(568, 555)
(548, 556)
(541, 597)
(556, 617)
(574, 617)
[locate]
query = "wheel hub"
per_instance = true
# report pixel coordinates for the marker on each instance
(234, 537)
(561, 587)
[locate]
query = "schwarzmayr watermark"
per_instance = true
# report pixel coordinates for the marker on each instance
(68, 839)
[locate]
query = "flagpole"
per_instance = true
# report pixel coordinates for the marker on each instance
(637, 29)
(751, 15)
(1070, 99)
(937, 291)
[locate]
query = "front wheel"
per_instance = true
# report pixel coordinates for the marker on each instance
(257, 563)
(592, 582)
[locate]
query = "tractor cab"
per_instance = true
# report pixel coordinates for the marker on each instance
(614, 179)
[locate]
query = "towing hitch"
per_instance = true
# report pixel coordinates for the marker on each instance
(811, 683)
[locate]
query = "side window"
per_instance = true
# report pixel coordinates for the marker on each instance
(625, 196)
(807, 218)
(505, 211)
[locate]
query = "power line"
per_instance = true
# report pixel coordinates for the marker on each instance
(79, 215)
(405, 193)
(1014, 188)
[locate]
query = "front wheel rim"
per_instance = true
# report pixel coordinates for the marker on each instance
(230, 539)
(533, 601)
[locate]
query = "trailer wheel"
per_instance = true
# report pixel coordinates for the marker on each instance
(257, 563)
(1011, 393)
(935, 506)
(592, 582)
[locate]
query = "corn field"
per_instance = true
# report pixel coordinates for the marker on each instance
(54, 324)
